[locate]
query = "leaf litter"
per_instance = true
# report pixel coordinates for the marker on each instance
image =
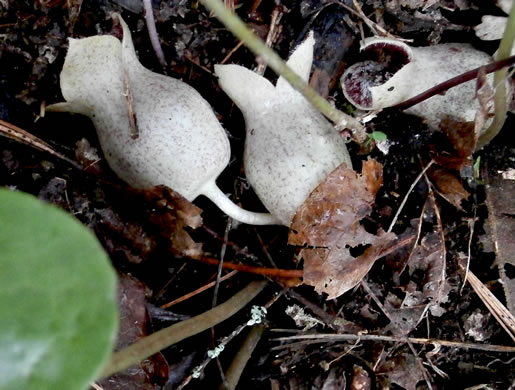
(329, 223)
(413, 292)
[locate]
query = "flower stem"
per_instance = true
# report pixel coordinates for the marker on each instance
(152, 344)
(258, 47)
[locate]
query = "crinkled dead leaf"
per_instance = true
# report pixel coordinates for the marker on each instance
(449, 185)
(174, 214)
(401, 369)
(329, 221)
(485, 95)
(463, 139)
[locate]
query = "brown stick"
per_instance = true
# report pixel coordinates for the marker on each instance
(460, 79)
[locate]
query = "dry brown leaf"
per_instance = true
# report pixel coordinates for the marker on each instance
(174, 214)
(484, 94)
(449, 185)
(452, 159)
(329, 221)
(463, 139)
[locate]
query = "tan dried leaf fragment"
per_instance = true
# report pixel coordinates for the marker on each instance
(174, 214)
(329, 221)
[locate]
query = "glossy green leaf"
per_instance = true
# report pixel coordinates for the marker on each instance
(58, 314)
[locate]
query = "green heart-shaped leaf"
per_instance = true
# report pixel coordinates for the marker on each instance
(58, 314)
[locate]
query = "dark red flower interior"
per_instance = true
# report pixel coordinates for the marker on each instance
(379, 62)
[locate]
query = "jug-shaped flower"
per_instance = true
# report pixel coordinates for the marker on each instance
(153, 129)
(404, 72)
(290, 147)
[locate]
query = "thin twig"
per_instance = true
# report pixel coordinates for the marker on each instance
(394, 221)
(471, 224)
(264, 249)
(369, 291)
(443, 256)
(15, 133)
(255, 320)
(324, 338)
(152, 32)
(271, 272)
(455, 81)
(231, 52)
(228, 226)
(258, 47)
(163, 338)
(373, 26)
(277, 14)
(420, 365)
(498, 310)
(198, 290)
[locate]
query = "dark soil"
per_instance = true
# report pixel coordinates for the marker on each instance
(33, 44)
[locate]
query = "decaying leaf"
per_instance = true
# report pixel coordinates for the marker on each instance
(401, 369)
(446, 176)
(163, 217)
(360, 379)
(175, 215)
(427, 258)
(449, 185)
(329, 221)
(152, 373)
(485, 95)
(501, 209)
(463, 139)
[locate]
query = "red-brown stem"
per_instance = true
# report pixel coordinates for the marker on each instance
(272, 272)
(460, 79)
(292, 273)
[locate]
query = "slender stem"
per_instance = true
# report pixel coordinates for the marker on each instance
(324, 338)
(211, 191)
(500, 76)
(233, 373)
(152, 344)
(258, 47)
(448, 84)
(152, 32)
(264, 271)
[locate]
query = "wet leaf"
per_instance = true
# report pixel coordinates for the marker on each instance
(329, 221)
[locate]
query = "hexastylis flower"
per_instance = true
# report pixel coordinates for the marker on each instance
(290, 147)
(153, 129)
(396, 72)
